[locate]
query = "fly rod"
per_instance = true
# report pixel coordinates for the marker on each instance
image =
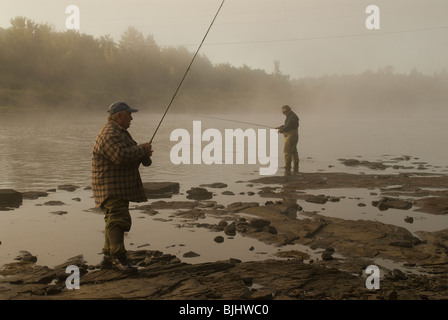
(186, 72)
(230, 120)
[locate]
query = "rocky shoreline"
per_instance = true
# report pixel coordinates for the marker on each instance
(418, 268)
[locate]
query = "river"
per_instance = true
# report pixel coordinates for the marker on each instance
(40, 152)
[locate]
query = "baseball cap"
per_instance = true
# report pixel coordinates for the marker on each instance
(120, 106)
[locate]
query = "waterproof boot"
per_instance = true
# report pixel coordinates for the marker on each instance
(296, 169)
(106, 263)
(122, 263)
(287, 170)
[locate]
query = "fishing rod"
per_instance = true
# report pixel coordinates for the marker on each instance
(230, 120)
(186, 72)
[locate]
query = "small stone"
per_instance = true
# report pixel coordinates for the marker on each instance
(259, 224)
(191, 254)
(67, 187)
(409, 219)
(230, 229)
(59, 213)
(327, 256)
(54, 203)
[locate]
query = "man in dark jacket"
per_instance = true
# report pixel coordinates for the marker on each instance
(291, 132)
(116, 180)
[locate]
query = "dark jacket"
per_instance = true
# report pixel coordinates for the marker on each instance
(291, 123)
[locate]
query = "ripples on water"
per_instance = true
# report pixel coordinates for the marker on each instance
(40, 154)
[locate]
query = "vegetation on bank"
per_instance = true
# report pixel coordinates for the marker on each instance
(41, 68)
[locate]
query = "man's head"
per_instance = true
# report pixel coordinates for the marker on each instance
(121, 113)
(286, 110)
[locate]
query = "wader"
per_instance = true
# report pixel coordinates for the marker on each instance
(118, 221)
(290, 151)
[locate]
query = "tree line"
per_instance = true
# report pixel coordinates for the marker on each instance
(41, 68)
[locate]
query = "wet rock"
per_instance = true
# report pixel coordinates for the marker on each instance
(192, 214)
(59, 213)
(259, 224)
(409, 219)
(387, 203)
(53, 289)
(262, 295)
(402, 244)
(199, 194)
(241, 226)
(54, 203)
(230, 229)
(320, 199)
(60, 270)
(239, 206)
(395, 275)
(32, 195)
(219, 239)
(368, 164)
(270, 229)
(10, 198)
(26, 256)
(214, 185)
(228, 193)
(67, 187)
(156, 190)
(170, 205)
(222, 223)
(327, 255)
(191, 254)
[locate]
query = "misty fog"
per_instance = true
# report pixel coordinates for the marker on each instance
(41, 69)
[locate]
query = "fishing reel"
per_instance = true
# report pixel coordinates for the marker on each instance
(146, 161)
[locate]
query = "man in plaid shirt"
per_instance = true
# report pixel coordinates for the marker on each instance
(116, 180)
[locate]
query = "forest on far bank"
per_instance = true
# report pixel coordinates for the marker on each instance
(42, 69)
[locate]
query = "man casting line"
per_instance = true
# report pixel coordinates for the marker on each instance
(291, 132)
(116, 181)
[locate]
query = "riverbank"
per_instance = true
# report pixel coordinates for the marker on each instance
(299, 212)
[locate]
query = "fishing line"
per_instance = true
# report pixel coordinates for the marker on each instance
(230, 120)
(186, 72)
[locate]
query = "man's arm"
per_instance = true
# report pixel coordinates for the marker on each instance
(118, 152)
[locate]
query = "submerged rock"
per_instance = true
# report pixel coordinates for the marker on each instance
(388, 203)
(199, 194)
(190, 254)
(215, 185)
(156, 190)
(26, 256)
(68, 187)
(54, 203)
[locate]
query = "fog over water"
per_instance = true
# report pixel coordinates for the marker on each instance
(307, 37)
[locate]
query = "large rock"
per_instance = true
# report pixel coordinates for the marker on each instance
(199, 194)
(10, 198)
(156, 190)
(387, 203)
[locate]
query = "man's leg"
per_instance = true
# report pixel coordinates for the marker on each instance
(118, 221)
(295, 160)
(290, 151)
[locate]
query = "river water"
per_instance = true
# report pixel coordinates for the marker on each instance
(44, 151)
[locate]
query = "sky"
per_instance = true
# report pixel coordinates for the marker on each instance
(309, 38)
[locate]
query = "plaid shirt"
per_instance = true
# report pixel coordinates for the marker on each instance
(115, 162)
